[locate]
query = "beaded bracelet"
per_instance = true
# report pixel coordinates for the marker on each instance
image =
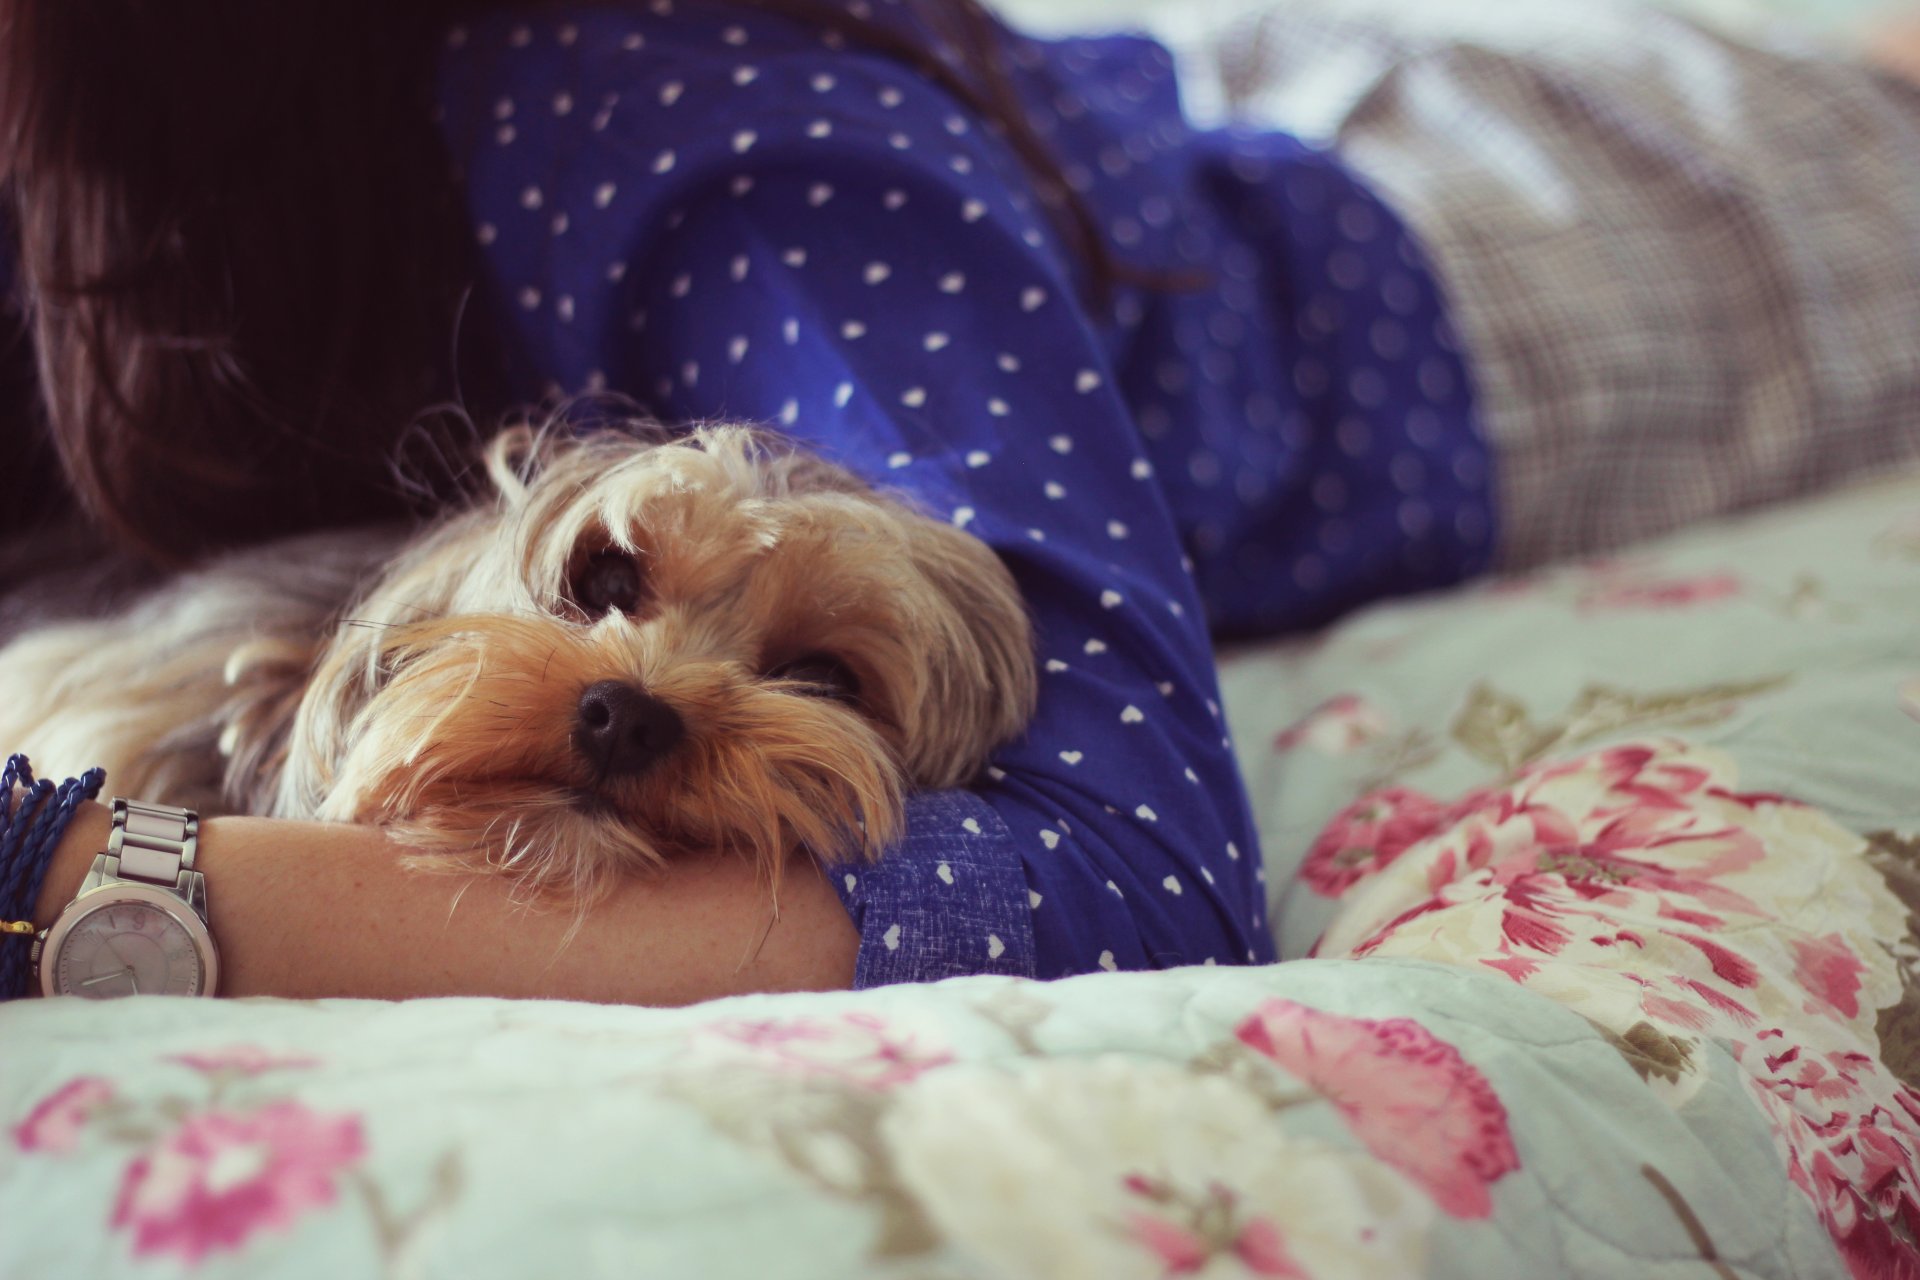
(28, 836)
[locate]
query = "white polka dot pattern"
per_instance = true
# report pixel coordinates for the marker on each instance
(737, 218)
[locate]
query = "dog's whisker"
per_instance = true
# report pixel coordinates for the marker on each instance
(508, 844)
(753, 952)
(399, 604)
(486, 833)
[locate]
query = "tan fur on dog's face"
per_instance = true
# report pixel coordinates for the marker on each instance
(447, 710)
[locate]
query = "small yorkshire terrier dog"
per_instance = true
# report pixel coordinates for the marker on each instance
(637, 645)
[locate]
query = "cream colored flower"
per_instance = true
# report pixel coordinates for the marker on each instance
(1113, 1168)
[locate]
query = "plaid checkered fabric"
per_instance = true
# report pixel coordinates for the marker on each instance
(1687, 270)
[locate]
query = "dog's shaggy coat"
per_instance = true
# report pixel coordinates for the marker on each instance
(822, 649)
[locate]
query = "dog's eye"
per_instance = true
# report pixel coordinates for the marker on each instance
(606, 581)
(820, 675)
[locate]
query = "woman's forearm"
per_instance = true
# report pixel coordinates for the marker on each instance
(310, 909)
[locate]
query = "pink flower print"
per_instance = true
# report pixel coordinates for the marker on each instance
(1409, 1098)
(1531, 918)
(1659, 593)
(1728, 966)
(1676, 1013)
(1260, 1246)
(1859, 1175)
(1593, 852)
(1508, 830)
(1339, 726)
(1179, 1250)
(222, 1176)
(54, 1126)
(1830, 971)
(858, 1048)
(1186, 1232)
(1367, 836)
(1720, 1001)
(1636, 772)
(242, 1059)
(769, 1033)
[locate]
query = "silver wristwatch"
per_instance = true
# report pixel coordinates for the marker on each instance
(138, 926)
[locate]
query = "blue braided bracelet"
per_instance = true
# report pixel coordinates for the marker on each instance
(28, 837)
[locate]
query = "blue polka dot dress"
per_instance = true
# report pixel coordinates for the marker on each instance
(726, 214)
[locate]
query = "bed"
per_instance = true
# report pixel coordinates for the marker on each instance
(1596, 888)
(1597, 892)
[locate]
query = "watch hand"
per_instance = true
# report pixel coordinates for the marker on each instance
(116, 954)
(108, 977)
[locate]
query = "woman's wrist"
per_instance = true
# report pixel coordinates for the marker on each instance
(85, 837)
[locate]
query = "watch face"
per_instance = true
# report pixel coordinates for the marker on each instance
(127, 947)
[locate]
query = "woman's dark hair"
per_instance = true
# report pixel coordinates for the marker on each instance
(229, 219)
(243, 257)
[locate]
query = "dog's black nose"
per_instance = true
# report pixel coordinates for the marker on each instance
(622, 730)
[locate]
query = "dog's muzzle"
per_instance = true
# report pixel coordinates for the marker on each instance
(621, 730)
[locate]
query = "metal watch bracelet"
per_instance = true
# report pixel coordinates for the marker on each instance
(153, 842)
(143, 879)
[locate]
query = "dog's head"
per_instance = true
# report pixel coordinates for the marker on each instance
(642, 646)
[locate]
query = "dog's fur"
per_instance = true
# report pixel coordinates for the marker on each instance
(432, 683)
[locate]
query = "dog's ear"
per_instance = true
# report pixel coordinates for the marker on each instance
(981, 689)
(267, 667)
(352, 655)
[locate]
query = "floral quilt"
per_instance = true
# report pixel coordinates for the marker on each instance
(1598, 891)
